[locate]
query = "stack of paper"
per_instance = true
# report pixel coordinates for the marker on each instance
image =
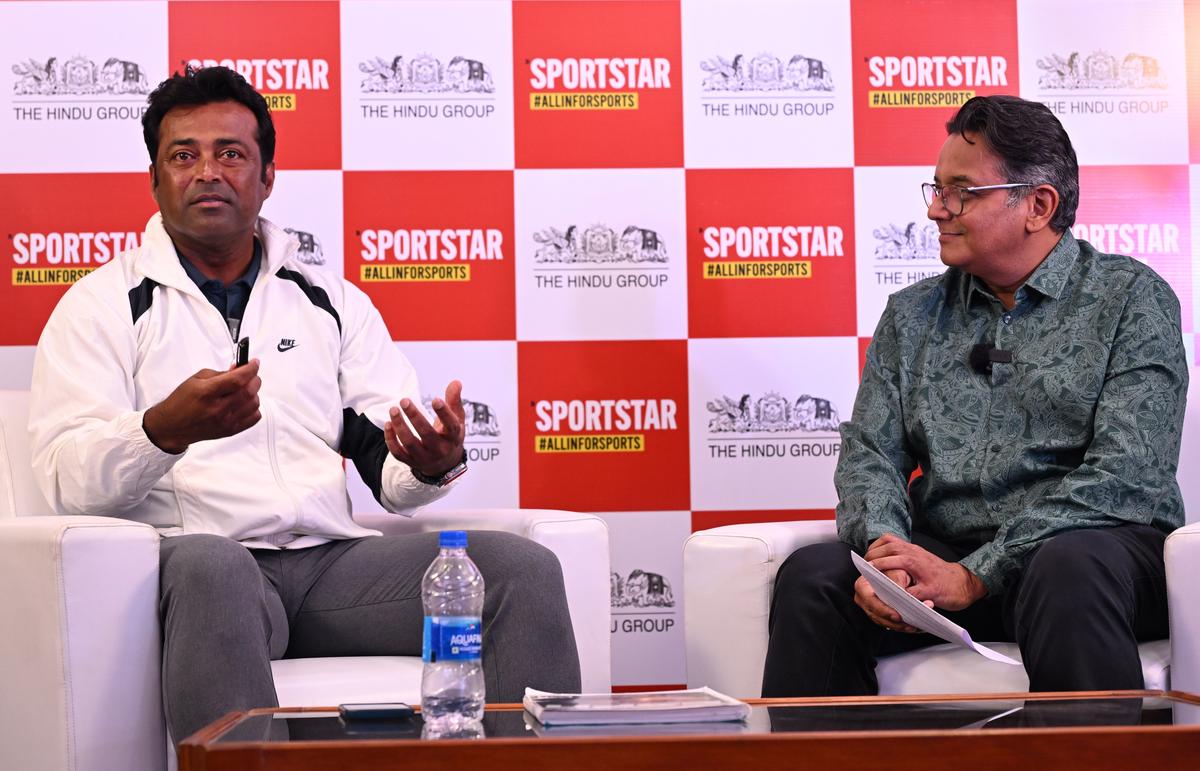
(691, 706)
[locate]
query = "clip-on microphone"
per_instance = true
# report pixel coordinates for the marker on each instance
(984, 355)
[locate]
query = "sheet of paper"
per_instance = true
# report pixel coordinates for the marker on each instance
(918, 614)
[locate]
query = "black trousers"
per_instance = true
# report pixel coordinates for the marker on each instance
(1082, 604)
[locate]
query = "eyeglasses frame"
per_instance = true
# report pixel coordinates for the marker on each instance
(939, 190)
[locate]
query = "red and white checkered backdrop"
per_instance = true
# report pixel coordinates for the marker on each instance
(652, 238)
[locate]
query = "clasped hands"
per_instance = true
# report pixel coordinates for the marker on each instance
(212, 405)
(922, 574)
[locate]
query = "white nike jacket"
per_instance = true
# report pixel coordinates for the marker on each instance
(127, 334)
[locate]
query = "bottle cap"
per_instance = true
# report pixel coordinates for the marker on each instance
(453, 539)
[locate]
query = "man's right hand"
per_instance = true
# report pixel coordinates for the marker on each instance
(208, 405)
(876, 609)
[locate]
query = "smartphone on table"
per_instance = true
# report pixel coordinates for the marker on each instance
(385, 711)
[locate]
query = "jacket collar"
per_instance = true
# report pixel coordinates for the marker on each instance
(159, 261)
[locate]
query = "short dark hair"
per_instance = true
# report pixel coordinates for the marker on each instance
(1031, 143)
(198, 86)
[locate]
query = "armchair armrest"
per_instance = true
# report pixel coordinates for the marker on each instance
(580, 541)
(1182, 556)
(728, 576)
(80, 658)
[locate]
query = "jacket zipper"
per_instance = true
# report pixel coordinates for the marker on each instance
(269, 416)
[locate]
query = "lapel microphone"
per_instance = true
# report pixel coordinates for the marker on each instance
(984, 355)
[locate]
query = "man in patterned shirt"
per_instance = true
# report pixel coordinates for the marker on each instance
(1038, 388)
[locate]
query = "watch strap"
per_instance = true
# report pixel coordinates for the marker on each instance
(449, 476)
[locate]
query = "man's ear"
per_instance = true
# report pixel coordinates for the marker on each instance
(1045, 203)
(153, 182)
(268, 178)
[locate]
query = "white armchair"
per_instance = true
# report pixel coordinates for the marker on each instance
(729, 573)
(81, 655)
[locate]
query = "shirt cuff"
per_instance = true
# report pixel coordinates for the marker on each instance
(992, 566)
(879, 528)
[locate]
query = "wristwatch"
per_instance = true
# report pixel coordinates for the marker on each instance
(441, 481)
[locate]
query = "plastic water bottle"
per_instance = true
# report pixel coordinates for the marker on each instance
(452, 593)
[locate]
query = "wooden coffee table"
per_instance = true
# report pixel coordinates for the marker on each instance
(1094, 731)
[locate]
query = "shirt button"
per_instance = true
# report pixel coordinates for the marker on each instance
(996, 507)
(1007, 318)
(995, 448)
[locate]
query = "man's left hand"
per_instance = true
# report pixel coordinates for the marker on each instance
(432, 450)
(948, 585)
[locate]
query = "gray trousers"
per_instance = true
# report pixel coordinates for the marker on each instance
(228, 611)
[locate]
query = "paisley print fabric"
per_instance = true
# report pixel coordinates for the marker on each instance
(1081, 429)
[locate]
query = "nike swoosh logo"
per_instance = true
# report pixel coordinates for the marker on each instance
(283, 348)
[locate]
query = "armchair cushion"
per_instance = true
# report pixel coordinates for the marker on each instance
(951, 669)
(327, 682)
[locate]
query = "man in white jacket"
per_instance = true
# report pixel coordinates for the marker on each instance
(139, 410)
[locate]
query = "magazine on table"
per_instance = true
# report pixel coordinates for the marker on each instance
(704, 728)
(691, 706)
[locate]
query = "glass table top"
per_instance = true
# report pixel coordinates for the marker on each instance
(939, 715)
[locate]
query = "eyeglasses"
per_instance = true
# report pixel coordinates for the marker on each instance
(955, 197)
